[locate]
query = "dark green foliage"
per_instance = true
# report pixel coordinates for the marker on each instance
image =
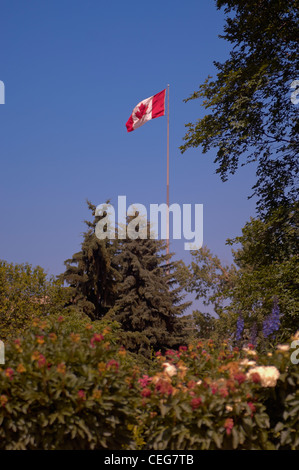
(269, 269)
(68, 391)
(253, 119)
(130, 282)
(26, 292)
(205, 323)
(266, 268)
(91, 273)
(67, 385)
(148, 302)
(208, 278)
(251, 116)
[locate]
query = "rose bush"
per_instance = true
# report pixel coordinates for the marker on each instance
(66, 390)
(217, 398)
(71, 385)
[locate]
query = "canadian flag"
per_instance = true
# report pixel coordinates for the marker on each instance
(147, 109)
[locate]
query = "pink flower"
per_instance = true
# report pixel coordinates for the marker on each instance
(97, 338)
(163, 387)
(252, 407)
(255, 377)
(229, 424)
(41, 360)
(191, 384)
(81, 395)
(183, 348)
(146, 392)
(170, 353)
(224, 392)
(196, 402)
(240, 378)
(113, 364)
(9, 373)
(144, 381)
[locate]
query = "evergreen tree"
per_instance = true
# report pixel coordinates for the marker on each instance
(149, 301)
(91, 273)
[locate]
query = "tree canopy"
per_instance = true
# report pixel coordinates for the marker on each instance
(251, 116)
(26, 292)
(265, 273)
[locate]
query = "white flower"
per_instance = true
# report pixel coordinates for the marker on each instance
(268, 374)
(199, 382)
(228, 408)
(246, 362)
(250, 352)
(283, 347)
(169, 369)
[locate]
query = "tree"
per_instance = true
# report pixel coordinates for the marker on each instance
(213, 283)
(208, 278)
(91, 273)
(259, 289)
(251, 116)
(26, 293)
(267, 259)
(206, 324)
(128, 281)
(148, 301)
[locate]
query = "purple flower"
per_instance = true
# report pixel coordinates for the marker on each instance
(272, 321)
(240, 327)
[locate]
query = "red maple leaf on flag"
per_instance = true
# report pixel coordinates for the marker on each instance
(141, 111)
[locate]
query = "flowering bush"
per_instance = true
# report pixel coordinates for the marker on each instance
(211, 398)
(77, 388)
(202, 399)
(66, 390)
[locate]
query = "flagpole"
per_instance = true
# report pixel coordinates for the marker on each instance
(167, 178)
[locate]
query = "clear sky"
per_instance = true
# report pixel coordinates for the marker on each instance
(73, 71)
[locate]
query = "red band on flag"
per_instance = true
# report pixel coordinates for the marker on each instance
(130, 124)
(158, 104)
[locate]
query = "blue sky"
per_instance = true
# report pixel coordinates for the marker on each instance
(73, 71)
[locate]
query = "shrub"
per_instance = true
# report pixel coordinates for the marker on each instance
(217, 398)
(25, 293)
(66, 390)
(69, 384)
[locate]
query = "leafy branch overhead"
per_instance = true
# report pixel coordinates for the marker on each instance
(251, 116)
